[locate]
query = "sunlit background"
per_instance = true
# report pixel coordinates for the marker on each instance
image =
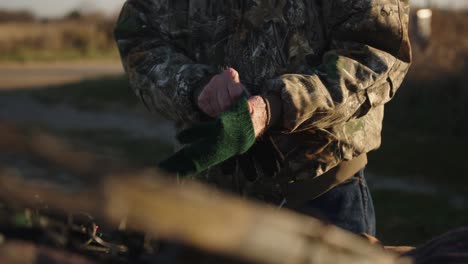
(57, 8)
(60, 72)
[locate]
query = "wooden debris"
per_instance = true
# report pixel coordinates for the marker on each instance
(16, 252)
(208, 220)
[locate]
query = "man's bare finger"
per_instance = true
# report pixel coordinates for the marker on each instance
(207, 108)
(211, 86)
(206, 93)
(236, 90)
(224, 98)
(233, 74)
(212, 108)
(209, 103)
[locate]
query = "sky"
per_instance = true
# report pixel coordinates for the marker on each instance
(54, 8)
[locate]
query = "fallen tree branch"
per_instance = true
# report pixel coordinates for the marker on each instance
(190, 212)
(17, 252)
(206, 219)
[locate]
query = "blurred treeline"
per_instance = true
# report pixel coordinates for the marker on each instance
(24, 37)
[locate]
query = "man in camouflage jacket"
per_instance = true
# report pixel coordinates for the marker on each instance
(323, 69)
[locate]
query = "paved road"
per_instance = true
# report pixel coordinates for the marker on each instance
(26, 76)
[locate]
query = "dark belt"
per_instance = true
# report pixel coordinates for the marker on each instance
(297, 193)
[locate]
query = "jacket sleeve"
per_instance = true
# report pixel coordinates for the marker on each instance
(160, 67)
(367, 57)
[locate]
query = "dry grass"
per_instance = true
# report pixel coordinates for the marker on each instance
(91, 36)
(447, 53)
(66, 38)
(17, 16)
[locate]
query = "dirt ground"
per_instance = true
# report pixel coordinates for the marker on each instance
(37, 75)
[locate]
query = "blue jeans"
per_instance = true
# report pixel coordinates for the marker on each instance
(348, 205)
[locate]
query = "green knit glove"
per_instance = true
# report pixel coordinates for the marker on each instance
(211, 143)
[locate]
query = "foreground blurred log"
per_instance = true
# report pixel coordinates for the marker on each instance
(189, 212)
(27, 253)
(194, 214)
(207, 220)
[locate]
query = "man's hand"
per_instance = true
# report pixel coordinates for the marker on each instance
(220, 93)
(258, 113)
(223, 90)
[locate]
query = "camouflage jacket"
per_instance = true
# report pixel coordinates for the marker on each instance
(325, 67)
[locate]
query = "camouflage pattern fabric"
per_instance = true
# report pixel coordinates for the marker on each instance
(332, 65)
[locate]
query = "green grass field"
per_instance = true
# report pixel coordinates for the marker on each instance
(94, 94)
(410, 219)
(146, 152)
(31, 55)
(419, 142)
(424, 134)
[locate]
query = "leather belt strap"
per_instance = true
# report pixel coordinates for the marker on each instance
(297, 193)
